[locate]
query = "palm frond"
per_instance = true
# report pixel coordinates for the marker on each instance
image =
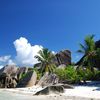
(80, 51)
(82, 47)
(45, 57)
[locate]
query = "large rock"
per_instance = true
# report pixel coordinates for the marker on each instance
(48, 79)
(28, 80)
(10, 75)
(43, 79)
(32, 80)
(9, 69)
(63, 57)
(6, 81)
(52, 89)
(20, 71)
(66, 86)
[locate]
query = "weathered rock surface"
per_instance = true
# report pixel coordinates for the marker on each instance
(6, 81)
(10, 76)
(33, 80)
(63, 57)
(9, 69)
(43, 79)
(53, 89)
(48, 79)
(28, 80)
(67, 86)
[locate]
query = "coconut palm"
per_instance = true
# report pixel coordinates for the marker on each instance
(45, 59)
(89, 51)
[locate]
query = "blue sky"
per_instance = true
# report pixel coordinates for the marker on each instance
(54, 24)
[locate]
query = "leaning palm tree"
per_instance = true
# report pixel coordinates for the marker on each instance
(89, 51)
(45, 59)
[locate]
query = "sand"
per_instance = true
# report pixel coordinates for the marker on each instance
(78, 93)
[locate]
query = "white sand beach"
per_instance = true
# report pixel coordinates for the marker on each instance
(83, 92)
(78, 93)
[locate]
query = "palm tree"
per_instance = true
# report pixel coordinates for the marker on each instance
(45, 59)
(89, 51)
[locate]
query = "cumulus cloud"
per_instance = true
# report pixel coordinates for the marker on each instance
(26, 52)
(1, 66)
(11, 62)
(4, 58)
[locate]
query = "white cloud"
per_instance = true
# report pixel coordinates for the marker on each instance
(4, 58)
(11, 62)
(26, 52)
(4, 62)
(1, 66)
(53, 52)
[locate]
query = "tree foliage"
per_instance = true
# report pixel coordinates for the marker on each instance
(45, 58)
(89, 51)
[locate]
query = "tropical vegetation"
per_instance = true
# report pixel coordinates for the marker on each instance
(46, 63)
(89, 51)
(69, 75)
(86, 69)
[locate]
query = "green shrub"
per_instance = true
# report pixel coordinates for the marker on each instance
(89, 74)
(61, 73)
(69, 74)
(75, 76)
(97, 75)
(85, 74)
(81, 73)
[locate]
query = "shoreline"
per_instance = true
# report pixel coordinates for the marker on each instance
(79, 93)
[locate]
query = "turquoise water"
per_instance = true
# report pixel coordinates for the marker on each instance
(4, 95)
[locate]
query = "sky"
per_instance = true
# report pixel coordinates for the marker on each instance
(26, 26)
